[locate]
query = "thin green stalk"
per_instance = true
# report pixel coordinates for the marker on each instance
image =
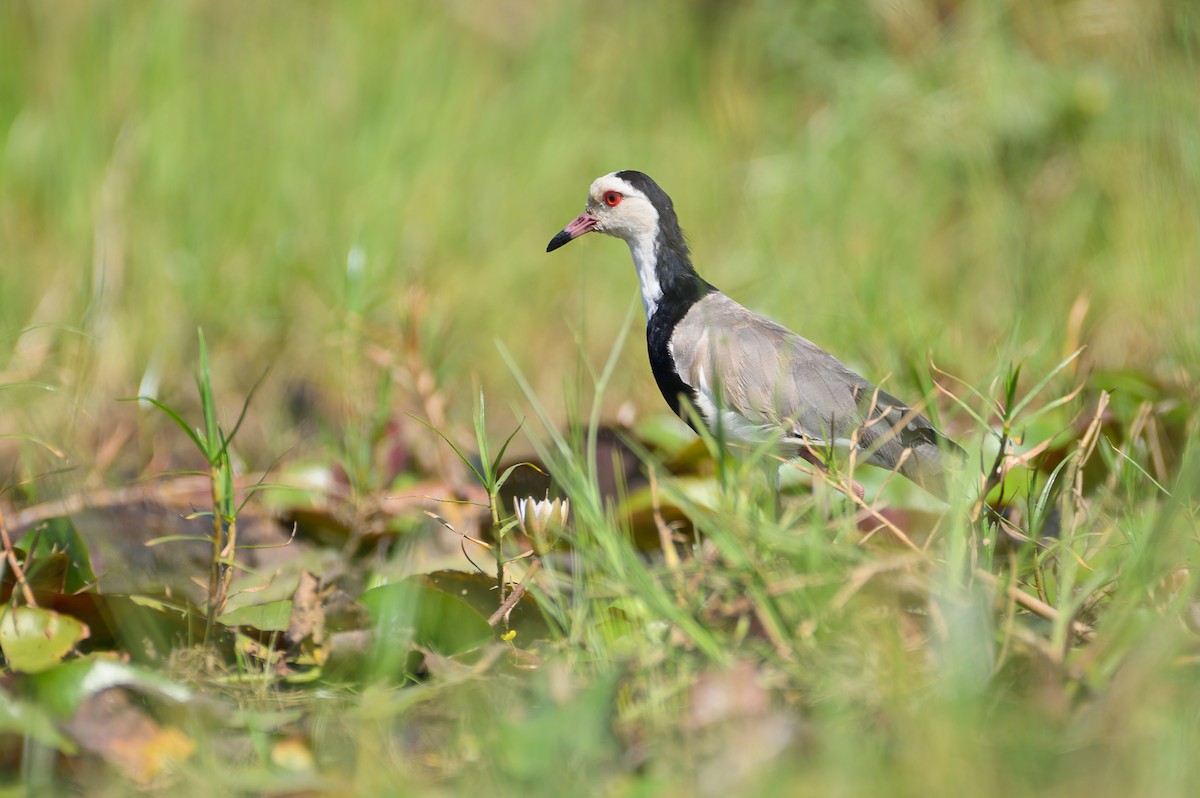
(213, 443)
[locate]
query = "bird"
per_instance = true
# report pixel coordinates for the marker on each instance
(749, 380)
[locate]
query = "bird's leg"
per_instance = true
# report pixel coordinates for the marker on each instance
(807, 454)
(859, 490)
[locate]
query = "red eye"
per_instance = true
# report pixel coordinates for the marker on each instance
(612, 198)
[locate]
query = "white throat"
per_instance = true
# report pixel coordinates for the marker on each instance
(645, 259)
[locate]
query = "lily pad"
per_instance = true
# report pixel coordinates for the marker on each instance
(411, 611)
(147, 628)
(59, 536)
(479, 591)
(269, 617)
(34, 639)
(44, 573)
(63, 689)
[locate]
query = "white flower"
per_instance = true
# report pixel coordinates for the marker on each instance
(542, 519)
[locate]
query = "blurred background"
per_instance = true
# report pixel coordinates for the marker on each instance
(357, 197)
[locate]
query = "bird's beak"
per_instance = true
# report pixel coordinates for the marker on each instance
(585, 223)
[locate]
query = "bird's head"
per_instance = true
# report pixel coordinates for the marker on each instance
(624, 205)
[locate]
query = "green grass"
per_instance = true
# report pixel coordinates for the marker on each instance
(358, 198)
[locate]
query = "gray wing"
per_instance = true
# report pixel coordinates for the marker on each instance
(773, 381)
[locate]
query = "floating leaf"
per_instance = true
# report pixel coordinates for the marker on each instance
(45, 573)
(34, 639)
(59, 535)
(479, 591)
(63, 689)
(427, 617)
(270, 617)
(145, 627)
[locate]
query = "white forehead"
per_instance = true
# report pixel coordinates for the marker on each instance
(610, 182)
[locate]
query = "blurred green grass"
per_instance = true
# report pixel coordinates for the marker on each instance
(895, 180)
(316, 185)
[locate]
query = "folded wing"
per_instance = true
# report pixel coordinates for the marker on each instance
(776, 383)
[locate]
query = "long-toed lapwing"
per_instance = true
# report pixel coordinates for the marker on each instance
(750, 380)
